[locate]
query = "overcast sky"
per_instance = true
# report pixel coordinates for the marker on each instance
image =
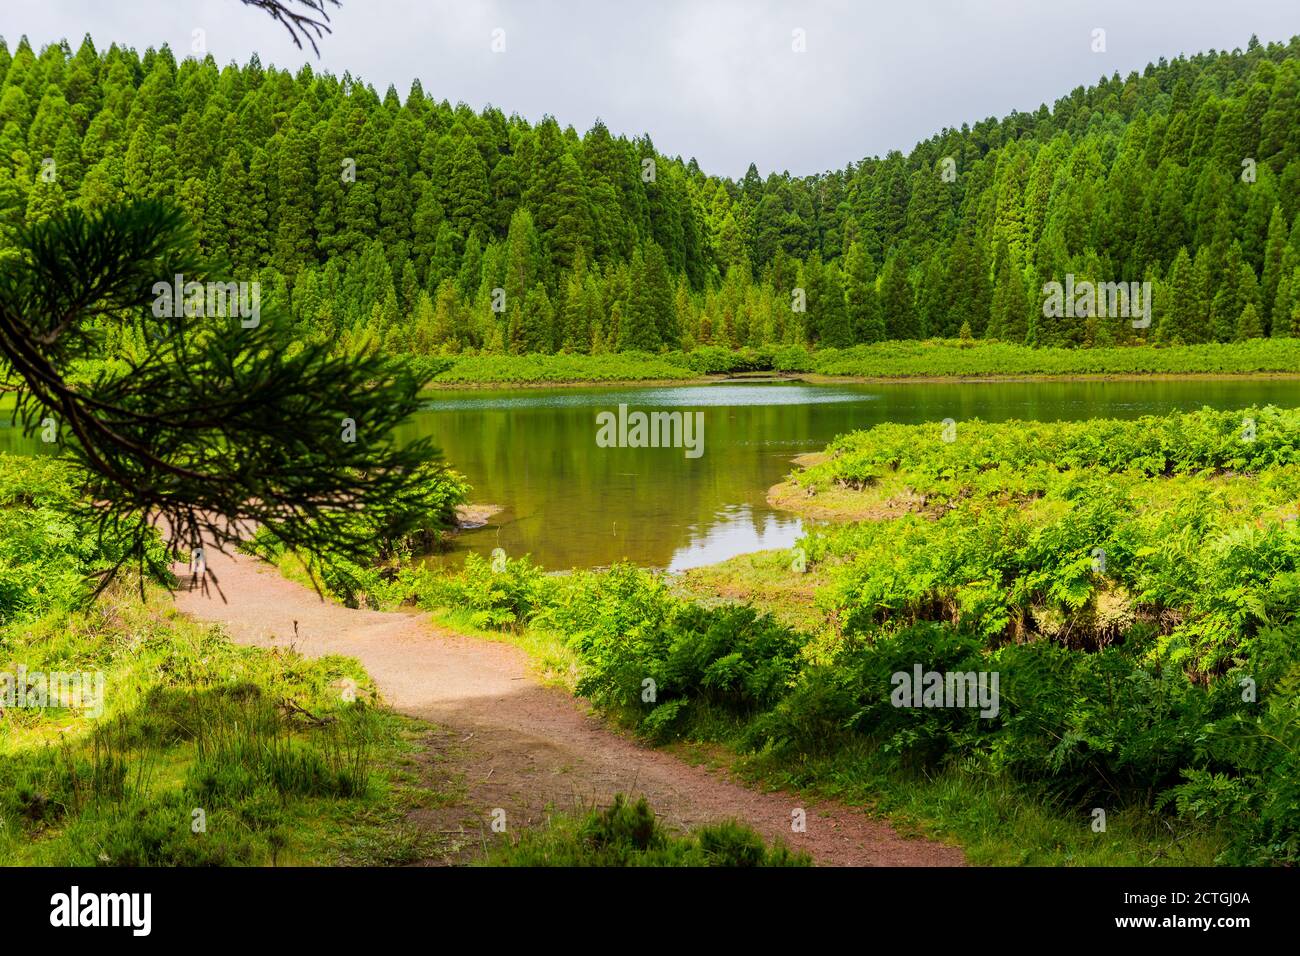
(715, 79)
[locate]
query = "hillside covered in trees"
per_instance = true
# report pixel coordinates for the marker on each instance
(411, 225)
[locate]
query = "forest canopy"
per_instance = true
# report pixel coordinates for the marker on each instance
(405, 224)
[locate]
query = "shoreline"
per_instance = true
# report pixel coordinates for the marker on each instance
(568, 383)
(816, 378)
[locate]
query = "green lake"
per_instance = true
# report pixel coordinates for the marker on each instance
(570, 503)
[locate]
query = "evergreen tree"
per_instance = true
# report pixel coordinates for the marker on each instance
(650, 321)
(1182, 302)
(533, 328)
(866, 321)
(1248, 325)
(813, 288)
(896, 300)
(836, 332)
(567, 215)
(1009, 318)
(932, 305)
(443, 264)
(1274, 251)
(523, 264)
(467, 187)
(294, 244)
(1227, 303)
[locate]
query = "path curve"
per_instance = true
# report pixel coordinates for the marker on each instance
(519, 745)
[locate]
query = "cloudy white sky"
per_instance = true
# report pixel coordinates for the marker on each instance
(714, 79)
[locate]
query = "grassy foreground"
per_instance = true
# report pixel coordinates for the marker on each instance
(177, 747)
(205, 753)
(629, 834)
(181, 748)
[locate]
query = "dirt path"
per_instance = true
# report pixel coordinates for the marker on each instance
(517, 744)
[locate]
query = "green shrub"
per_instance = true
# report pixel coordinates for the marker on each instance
(1249, 440)
(628, 834)
(496, 599)
(648, 656)
(429, 367)
(716, 360)
(950, 357)
(792, 358)
(48, 551)
(249, 748)
(1184, 512)
(530, 369)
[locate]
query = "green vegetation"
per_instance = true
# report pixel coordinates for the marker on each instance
(46, 555)
(1134, 586)
(205, 753)
(221, 421)
(948, 358)
(629, 834)
(885, 360)
(388, 535)
(959, 457)
(502, 598)
(1132, 583)
(760, 577)
(408, 225)
(551, 369)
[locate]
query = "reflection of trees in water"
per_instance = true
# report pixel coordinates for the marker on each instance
(575, 504)
(572, 504)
